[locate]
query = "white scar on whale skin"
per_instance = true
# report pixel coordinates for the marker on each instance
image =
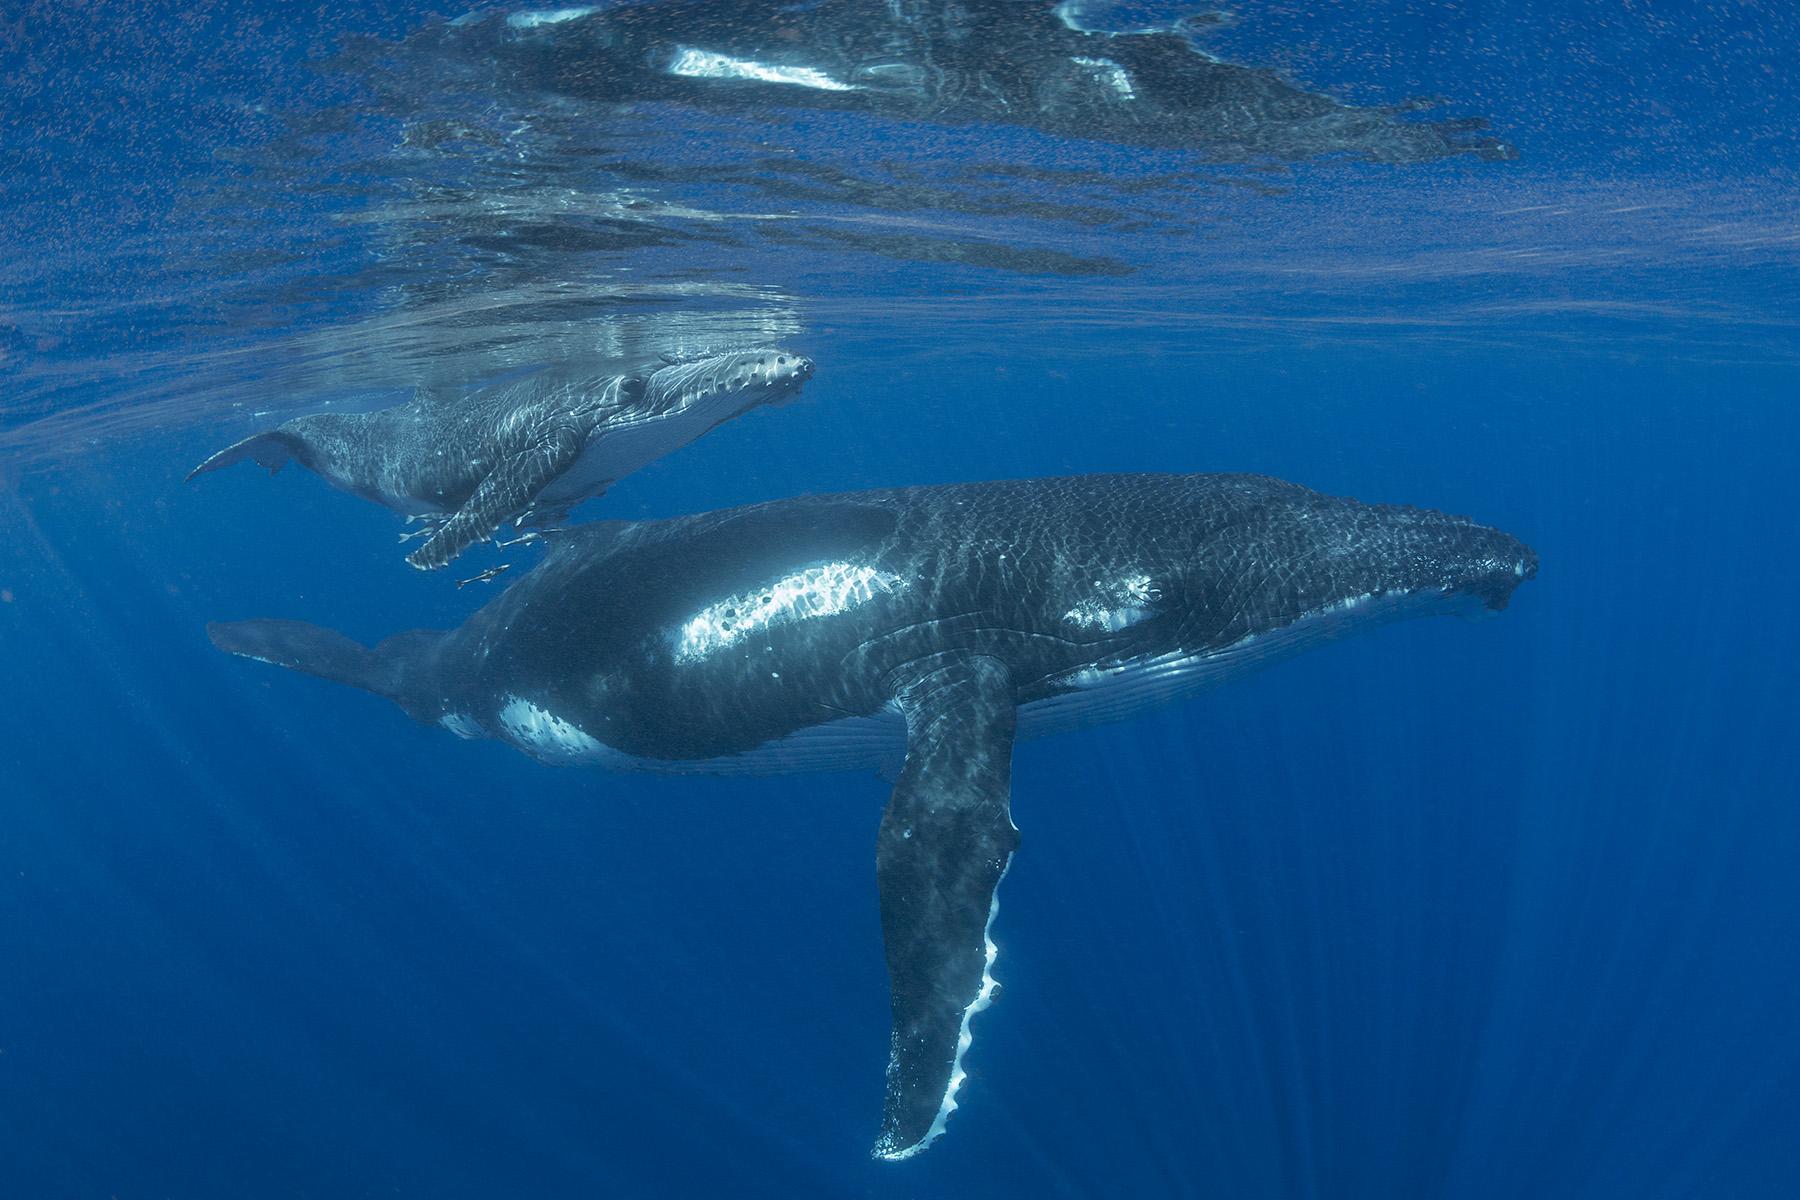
(1110, 73)
(542, 17)
(964, 1038)
(1122, 602)
(709, 64)
(815, 592)
(461, 724)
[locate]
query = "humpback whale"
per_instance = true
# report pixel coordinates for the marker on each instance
(529, 450)
(1042, 65)
(935, 626)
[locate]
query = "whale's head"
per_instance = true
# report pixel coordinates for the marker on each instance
(1471, 569)
(1413, 560)
(728, 383)
(1302, 564)
(1499, 566)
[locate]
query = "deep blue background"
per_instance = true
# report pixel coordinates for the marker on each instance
(1469, 910)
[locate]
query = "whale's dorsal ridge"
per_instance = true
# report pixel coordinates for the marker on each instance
(945, 842)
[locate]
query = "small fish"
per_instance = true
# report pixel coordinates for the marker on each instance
(487, 576)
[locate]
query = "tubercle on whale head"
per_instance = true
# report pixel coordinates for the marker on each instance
(792, 372)
(761, 375)
(766, 367)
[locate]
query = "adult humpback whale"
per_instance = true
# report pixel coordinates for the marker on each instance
(833, 631)
(527, 450)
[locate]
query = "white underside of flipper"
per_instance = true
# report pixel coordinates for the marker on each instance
(964, 1038)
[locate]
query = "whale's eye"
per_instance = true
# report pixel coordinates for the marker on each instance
(782, 361)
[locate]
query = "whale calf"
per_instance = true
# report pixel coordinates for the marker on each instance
(934, 626)
(528, 450)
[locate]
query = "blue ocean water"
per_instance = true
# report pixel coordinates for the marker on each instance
(1450, 909)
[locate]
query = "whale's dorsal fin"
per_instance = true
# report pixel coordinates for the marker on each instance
(504, 493)
(945, 841)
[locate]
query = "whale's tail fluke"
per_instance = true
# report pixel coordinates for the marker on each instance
(273, 450)
(326, 653)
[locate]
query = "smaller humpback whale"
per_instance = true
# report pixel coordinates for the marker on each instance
(935, 626)
(529, 450)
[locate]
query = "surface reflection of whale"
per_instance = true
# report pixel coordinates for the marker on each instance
(528, 450)
(923, 625)
(1005, 61)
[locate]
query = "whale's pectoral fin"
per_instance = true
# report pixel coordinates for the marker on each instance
(944, 844)
(505, 493)
(273, 450)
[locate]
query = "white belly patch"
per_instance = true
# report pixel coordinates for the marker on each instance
(551, 739)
